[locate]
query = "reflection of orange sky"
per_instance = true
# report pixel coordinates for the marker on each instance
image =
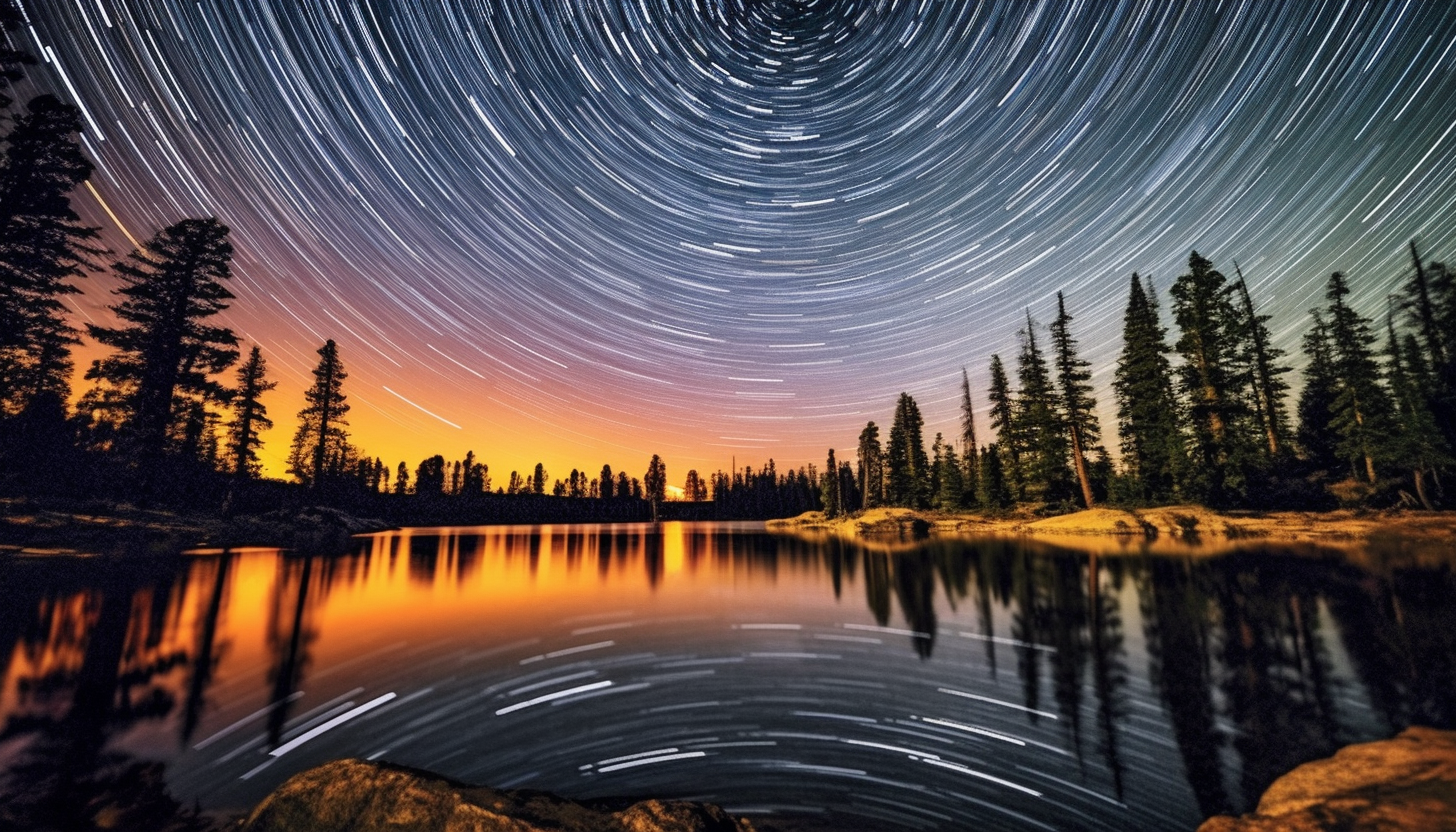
(485, 590)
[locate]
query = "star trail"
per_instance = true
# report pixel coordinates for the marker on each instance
(581, 231)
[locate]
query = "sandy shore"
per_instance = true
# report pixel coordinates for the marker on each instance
(1170, 529)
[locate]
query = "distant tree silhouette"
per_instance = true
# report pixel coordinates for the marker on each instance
(1003, 421)
(654, 483)
(694, 488)
(607, 483)
(402, 479)
(166, 352)
(1417, 444)
(1211, 377)
(1147, 410)
(871, 467)
(829, 488)
(42, 246)
(538, 479)
(250, 415)
(950, 483)
(1317, 438)
(430, 477)
(1362, 411)
(969, 448)
(321, 445)
(1079, 409)
(1262, 358)
(1040, 425)
(907, 469)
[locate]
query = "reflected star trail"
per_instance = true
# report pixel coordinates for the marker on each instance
(584, 232)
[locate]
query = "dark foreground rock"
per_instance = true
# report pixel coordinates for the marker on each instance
(1406, 783)
(355, 796)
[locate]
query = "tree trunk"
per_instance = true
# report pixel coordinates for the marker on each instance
(1079, 462)
(1420, 478)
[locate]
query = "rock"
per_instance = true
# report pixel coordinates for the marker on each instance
(1406, 783)
(356, 796)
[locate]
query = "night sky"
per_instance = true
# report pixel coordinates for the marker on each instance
(589, 231)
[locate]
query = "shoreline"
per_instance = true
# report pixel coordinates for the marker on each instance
(1174, 530)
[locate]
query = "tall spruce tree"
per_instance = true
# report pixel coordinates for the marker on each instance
(1262, 359)
(1417, 444)
(1041, 427)
(1429, 299)
(166, 349)
(1362, 411)
(1317, 438)
(321, 443)
(1003, 421)
(970, 457)
(871, 467)
(1211, 378)
(1079, 409)
(250, 415)
(829, 487)
(654, 484)
(42, 246)
(1147, 410)
(907, 469)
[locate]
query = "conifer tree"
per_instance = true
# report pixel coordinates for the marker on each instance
(42, 246)
(950, 482)
(1430, 301)
(1041, 427)
(970, 459)
(654, 483)
(871, 467)
(607, 482)
(1147, 411)
(1003, 421)
(829, 488)
(1079, 409)
(250, 415)
(994, 493)
(165, 348)
(1262, 359)
(1417, 444)
(1316, 403)
(1210, 378)
(321, 445)
(1362, 409)
(907, 474)
(430, 477)
(538, 479)
(402, 479)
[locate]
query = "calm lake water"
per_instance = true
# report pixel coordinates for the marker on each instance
(956, 684)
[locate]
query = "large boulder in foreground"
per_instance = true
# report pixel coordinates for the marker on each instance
(1406, 783)
(355, 796)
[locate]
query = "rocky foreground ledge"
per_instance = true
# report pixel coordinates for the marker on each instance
(1405, 783)
(355, 796)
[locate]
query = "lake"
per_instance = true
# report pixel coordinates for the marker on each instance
(803, 684)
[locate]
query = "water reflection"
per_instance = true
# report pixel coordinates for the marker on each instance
(959, 681)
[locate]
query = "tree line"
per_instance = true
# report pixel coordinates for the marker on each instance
(1204, 418)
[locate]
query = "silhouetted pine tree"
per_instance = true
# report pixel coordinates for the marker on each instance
(1003, 421)
(654, 483)
(1262, 359)
(970, 458)
(321, 445)
(1430, 302)
(829, 487)
(42, 245)
(1417, 444)
(1147, 410)
(849, 495)
(871, 467)
(165, 349)
(250, 416)
(538, 479)
(1041, 428)
(1211, 379)
(1079, 409)
(1362, 412)
(430, 477)
(607, 483)
(402, 479)
(907, 469)
(993, 493)
(951, 483)
(1316, 404)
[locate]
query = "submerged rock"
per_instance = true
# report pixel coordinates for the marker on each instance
(356, 796)
(1406, 783)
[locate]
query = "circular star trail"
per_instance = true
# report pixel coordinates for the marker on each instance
(585, 232)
